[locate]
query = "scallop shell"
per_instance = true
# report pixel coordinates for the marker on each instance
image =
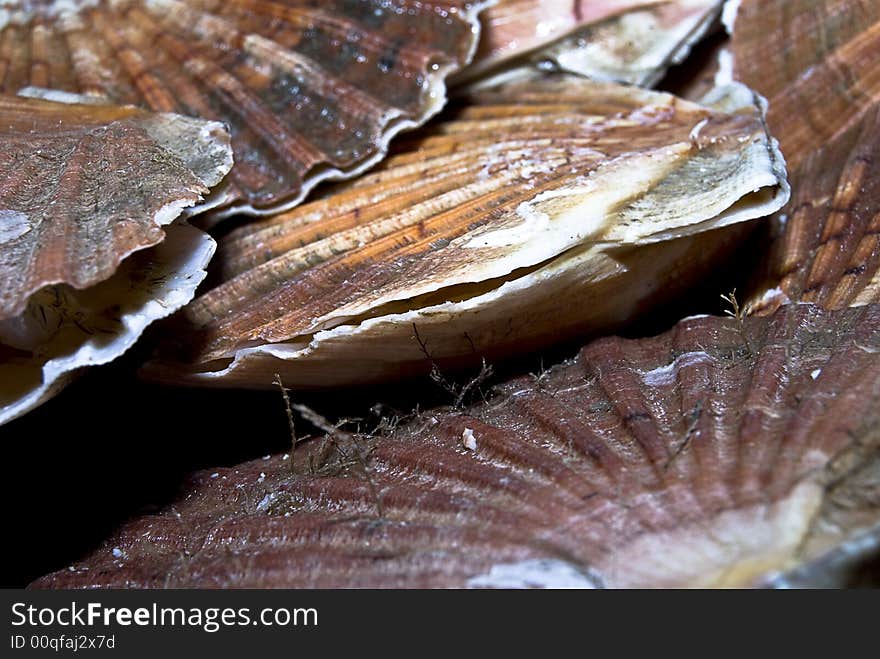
(83, 189)
(512, 28)
(470, 244)
(614, 40)
(815, 61)
(310, 90)
(725, 452)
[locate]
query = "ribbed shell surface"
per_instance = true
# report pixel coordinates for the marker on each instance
(723, 452)
(309, 89)
(816, 63)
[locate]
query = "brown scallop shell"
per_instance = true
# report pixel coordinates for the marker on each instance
(512, 28)
(82, 189)
(816, 62)
(310, 90)
(725, 452)
(484, 244)
(618, 40)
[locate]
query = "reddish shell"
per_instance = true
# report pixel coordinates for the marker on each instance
(309, 89)
(84, 186)
(90, 253)
(723, 452)
(631, 41)
(816, 62)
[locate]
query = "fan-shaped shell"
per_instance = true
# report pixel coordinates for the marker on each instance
(723, 452)
(309, 89)
(815, 61)
(484, 244)
(618, 40)
(82, 188)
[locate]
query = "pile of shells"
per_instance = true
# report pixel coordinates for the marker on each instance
(309, 90)
(556, 198)
(723, 453)
(474, 240)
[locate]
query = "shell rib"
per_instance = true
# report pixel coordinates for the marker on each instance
(87, 194)
(310, 90)
(484, 245)
(723, 453)
(816, 62)
(617, 40)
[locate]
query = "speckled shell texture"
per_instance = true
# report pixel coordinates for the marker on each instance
(476, 241)
(83, 188)
(620, 40)
(725, 452)
(310, 89)
(816, 62)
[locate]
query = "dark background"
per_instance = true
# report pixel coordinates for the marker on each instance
(110, 446)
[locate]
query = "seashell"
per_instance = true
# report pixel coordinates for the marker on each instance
(814, 60)
(613, 40)
(310, 90)
(88, 253)
(468, 244)
(775, 42)
(725, 452)
(513, 28)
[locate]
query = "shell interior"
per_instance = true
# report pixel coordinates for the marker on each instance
(88, 252)
(512, 28)
(631, 42)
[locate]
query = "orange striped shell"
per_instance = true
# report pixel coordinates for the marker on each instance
(541, 209)
(816, 62)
